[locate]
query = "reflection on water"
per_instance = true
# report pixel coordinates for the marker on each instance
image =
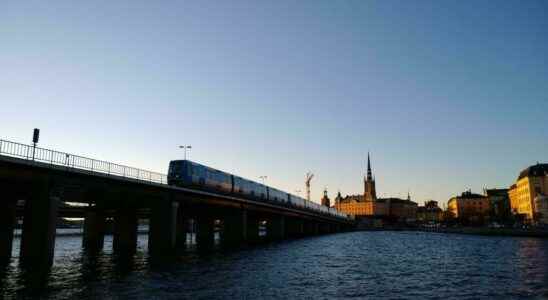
(350, 265)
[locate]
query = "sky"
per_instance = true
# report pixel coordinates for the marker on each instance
(446, 95)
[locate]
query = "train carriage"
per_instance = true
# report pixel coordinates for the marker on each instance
(276, 195)
(249, 188)
(186, 173)
(189, 174)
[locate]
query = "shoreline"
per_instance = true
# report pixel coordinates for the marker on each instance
(482, 231)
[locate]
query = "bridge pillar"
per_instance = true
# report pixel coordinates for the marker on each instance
(163, 226)
(311, 227)
(315, 228)
(125, 230)
(181, 229)
(306, 228)
(94, 229)
(275, 229)
(325, 228)
(295, 227)
(205, 235)
(7, 225)
(39, 225)
(235, 228)
(253, 229)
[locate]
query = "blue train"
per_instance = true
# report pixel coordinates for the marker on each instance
(185, 173)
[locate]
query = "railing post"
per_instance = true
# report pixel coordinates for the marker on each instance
(1, 142)
(92, 162)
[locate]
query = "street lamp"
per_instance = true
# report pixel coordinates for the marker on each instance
(35, 138)
(185, 148)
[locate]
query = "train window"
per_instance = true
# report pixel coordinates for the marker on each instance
(189, 168)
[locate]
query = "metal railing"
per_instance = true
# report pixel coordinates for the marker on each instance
(72, 161)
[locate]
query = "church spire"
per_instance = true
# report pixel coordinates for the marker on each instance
(370, 193)
(369, 173)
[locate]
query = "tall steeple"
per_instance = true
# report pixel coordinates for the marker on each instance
(370, 193)
(325, 200)
(369, 173)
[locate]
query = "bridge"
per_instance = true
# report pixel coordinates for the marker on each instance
(45, 179)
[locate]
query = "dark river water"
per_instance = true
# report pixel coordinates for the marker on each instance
(394, 265)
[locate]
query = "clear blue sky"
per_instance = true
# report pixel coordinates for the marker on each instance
(447, 95)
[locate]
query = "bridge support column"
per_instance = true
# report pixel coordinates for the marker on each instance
(235, 228)
(275, 229)
(311, 228)
(163, 227)
(181, 230)
(325, 228)
(94, 229)
(315, 228)
(7, 225)
(125, 231)
(295, 228)
(39, 225)
(253, 229)
(205, 235)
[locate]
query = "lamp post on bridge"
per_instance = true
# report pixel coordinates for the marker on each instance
(185, 148)
(264, 177)
(35, 138)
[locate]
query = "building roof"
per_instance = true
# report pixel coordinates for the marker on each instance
(496, 192)
(396, 200)
(468, 194)
(534, 171)
(424, 209)
(431, 204)
(351, 198)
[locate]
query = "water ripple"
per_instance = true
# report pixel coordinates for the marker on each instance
(390, 265)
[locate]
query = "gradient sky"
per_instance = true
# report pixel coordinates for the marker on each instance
(447, 95)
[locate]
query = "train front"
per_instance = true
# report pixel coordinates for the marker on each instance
(176, 173)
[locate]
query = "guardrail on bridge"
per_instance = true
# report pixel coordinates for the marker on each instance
(68, 160)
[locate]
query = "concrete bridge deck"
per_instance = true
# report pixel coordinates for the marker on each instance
(126, 194)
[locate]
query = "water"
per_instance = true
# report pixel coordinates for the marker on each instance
(396, 265)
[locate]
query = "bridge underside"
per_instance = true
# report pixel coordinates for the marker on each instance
(123, 203)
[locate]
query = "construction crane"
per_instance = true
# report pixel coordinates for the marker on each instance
(308, 178)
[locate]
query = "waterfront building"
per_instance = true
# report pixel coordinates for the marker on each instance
(469, 207)
(368, 205)
(541, 205)
(397, 209)
(499, 204)
(430, 212)
(531, 182)
(325, 199)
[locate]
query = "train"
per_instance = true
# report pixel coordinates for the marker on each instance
(189, 174)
